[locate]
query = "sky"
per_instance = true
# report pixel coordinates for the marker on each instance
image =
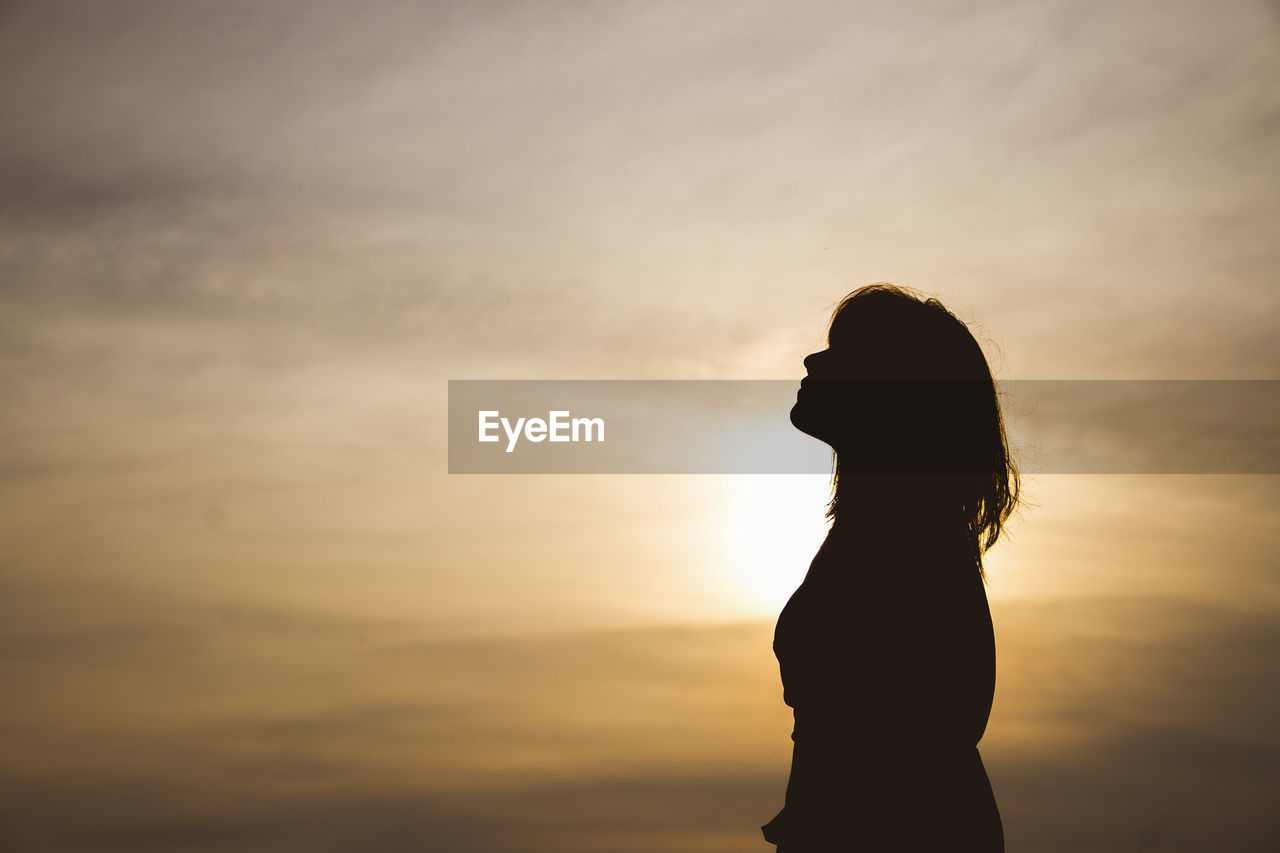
(245, 245)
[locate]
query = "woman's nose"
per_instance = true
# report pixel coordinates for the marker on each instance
(811, 361)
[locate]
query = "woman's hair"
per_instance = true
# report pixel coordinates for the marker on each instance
(918, 430)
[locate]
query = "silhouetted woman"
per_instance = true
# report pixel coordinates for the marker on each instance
(886, 648)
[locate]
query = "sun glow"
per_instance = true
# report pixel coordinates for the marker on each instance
(772, 527)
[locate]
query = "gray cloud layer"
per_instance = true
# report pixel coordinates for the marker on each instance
(643, 184)
(1102, 737)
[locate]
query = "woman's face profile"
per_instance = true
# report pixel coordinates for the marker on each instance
(823, 402)
(849, 397)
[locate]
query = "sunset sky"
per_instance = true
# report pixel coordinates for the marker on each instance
(244, 246)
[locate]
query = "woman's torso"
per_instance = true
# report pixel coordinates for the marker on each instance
(887, 657)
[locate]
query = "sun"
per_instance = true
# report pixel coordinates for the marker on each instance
(772, 527)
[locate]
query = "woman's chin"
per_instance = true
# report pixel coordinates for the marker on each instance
(802, 418)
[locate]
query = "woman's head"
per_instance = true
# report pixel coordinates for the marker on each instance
(904, 396)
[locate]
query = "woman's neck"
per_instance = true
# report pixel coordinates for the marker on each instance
(872, 523)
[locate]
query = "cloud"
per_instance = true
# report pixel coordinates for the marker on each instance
(641, 190)
(1118, 723)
